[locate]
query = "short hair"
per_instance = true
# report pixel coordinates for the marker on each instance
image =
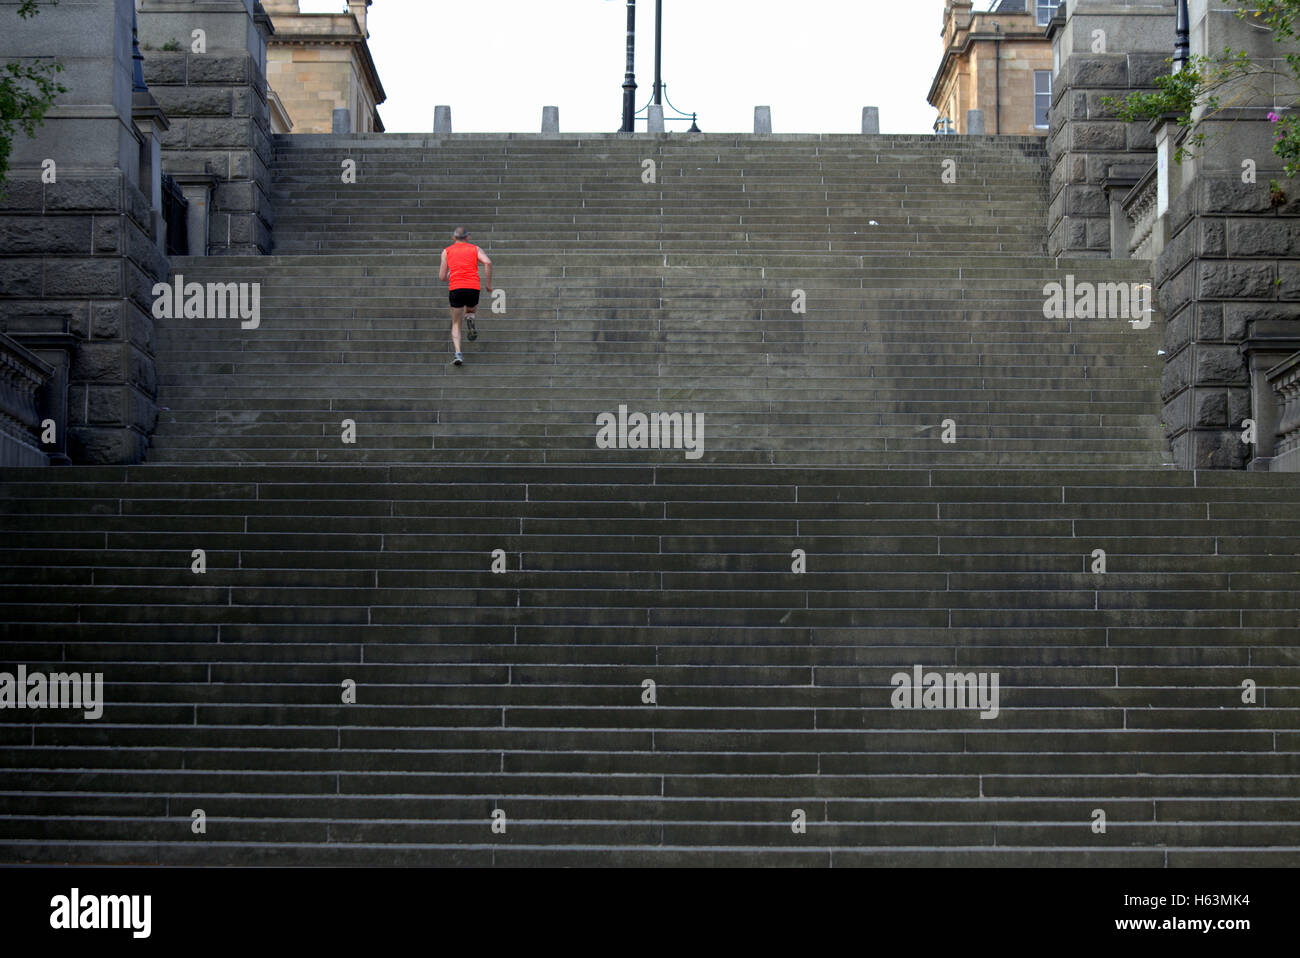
(462, 232)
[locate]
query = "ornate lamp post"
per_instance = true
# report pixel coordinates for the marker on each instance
(629, 80)
(1182, 41)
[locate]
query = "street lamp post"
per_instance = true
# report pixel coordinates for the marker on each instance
(629, 80)
(1182, 39)
(659, 46)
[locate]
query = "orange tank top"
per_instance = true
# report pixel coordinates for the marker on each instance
(462, 266)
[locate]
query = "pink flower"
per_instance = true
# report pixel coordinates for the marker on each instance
(1273, 117)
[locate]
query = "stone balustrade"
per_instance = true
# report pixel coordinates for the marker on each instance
(22, 375)
(1284, 378)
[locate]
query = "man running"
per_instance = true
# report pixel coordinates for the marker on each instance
(459, 268)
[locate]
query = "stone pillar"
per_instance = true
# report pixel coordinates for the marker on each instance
(1102, 48)
(974, 122)
(79, 254)
(762, 119)
(213, 87)
(442, 119)
(197, 188)
(341, 121)
(655, 121)
(870, 120)
(550, 119)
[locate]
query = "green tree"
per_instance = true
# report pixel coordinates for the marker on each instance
(27, 91)
(1207, 86)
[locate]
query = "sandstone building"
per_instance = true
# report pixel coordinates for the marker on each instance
(997, 61)
(320, 62)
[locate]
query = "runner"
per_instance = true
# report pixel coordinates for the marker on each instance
(459, 269)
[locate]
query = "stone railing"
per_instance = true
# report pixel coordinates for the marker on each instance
(1284, 378)
(1140, 210)
(22, 375)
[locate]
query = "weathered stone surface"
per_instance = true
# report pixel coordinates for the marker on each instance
(88, 277)
(106, 320)
(1213, 238)
(137, 207)
(106, 446)
(1087, 201)
(1144, 68)
(1177, 413)
(1235, 280)
(194, 101)
(163, 68)
(99, 363)
(1237, 317)
(104, 405)
(1103, 135)
(235, 197)
(1099, 70)
(1230, 195)
(1220, 364)
(1177, 374)
(108, 234)
(23, 192)
(1288, 287)
(1263, 236)
(1209, 321)
(141, 371)
(45, 234)
(1178, 331)
(1219, 449)
(84, 192)
(232, 132)
(210, 68)
(1210, 407)
(21, 278)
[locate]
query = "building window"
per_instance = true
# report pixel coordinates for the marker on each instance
(1046, 8)
(1042, 97)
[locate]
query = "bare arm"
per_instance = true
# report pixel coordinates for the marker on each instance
(487, 264)
(442, 268)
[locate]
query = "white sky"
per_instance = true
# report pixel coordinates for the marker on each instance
(498, 62)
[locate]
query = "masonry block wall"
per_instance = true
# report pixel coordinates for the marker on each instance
(1231, 268)
(216, 102)
(78, 255)
(1085, 137)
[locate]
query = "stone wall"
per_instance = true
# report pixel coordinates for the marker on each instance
(217, 104)
(1085, 137)
(1229, 276)
(79, 254)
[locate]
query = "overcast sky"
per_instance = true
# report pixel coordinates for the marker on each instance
(498, 62)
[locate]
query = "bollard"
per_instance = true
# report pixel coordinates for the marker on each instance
(442, 119)
(870, 120)
(762, 119)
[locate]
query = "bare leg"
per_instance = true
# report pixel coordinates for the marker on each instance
(456, 314)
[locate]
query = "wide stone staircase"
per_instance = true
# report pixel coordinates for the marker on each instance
(473, 637)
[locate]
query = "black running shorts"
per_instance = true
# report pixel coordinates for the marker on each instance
(464, 297)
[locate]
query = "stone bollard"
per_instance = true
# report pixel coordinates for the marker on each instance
(762, 119)
(342, 121)
(870, 120)
(550, 119)
(442, 119)
(655, 121)
(974, 122)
